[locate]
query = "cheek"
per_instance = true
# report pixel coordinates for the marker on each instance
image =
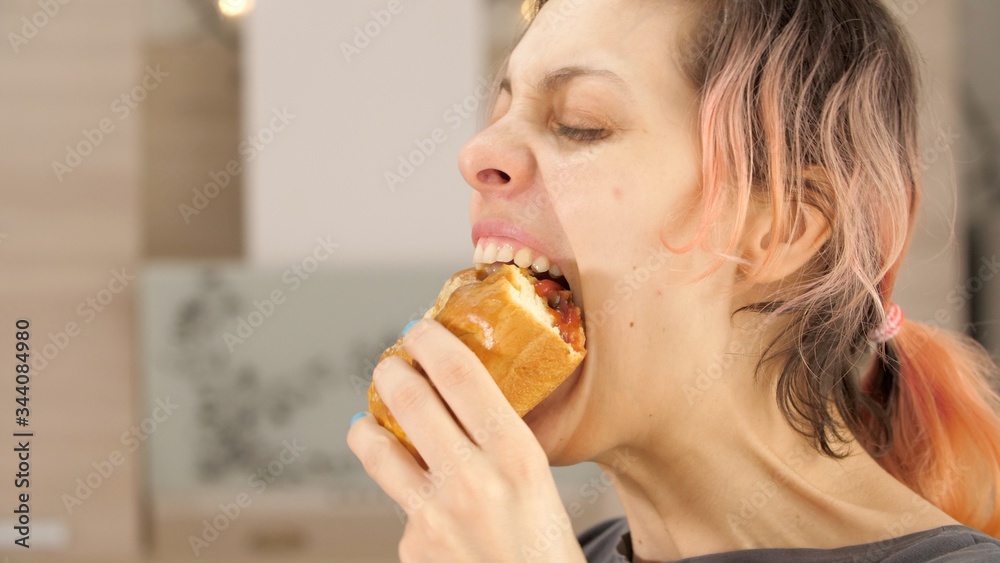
(603, 213)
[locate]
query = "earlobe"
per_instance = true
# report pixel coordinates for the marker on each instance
(769, 258)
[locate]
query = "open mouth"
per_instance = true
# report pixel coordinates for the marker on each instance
(549, 283)
(491, 253)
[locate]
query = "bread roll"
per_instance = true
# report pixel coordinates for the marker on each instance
(528, 347)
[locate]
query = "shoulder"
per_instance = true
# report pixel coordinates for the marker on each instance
(944, 544)
(609, 542)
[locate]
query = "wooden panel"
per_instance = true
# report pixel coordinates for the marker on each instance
(82, 397)
(63, 80)
(62, 241)
(193, 132)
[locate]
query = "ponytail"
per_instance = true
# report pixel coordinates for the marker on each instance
(945, 426)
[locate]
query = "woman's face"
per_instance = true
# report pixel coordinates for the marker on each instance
(591, 158)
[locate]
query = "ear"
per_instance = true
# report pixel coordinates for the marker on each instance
(772, 251)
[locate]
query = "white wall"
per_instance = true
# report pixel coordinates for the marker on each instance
(355, 115)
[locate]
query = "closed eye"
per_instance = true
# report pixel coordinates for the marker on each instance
(582, 135)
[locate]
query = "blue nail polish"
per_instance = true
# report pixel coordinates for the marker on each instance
(409, 325)
(357, 417)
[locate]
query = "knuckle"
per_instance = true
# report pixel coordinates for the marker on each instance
(494, 490)
(525, 466)
(476, 495)
(407, 551)
(372, 458)
(453, 371)
(380, 367)
(435, 530)
(417, 542)
(417, 332)
(408, 396)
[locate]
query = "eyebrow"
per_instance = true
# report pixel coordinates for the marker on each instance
(558, 78)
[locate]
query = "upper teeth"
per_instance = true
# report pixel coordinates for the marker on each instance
(489, 251)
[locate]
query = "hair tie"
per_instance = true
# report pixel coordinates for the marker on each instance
(890, 326)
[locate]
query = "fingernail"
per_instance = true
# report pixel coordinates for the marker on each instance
(357, 417)
(409, 325)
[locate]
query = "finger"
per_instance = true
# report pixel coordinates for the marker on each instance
(463, 383)
(419, 410)
(385, 459)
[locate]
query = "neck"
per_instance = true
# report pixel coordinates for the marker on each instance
(741, 478)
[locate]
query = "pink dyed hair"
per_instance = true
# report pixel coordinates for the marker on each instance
(807, 102)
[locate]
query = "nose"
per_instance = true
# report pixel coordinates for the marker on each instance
(497, 161)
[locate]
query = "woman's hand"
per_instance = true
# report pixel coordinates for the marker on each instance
(488, 494)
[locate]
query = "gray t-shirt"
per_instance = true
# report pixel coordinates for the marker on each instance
(611, 542)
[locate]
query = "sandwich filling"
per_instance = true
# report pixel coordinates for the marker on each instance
(565, 315)
(553, 302)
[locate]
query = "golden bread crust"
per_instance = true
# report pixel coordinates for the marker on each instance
(527, 359)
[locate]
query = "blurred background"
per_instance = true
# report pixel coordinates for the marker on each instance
(207, 210)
